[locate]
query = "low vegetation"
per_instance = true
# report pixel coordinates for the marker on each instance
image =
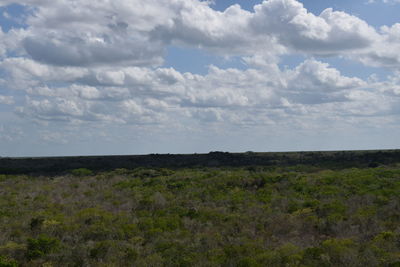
(206, 216)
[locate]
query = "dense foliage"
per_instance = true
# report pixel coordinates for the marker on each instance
(249, 216)
(324, 159)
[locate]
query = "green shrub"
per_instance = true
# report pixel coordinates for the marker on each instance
(37, 248)
(3, 177)
(6, 262)
(312, 256)
(341, 252)
(36, 223)
(131, 254)
(81, 172)
(99, 251)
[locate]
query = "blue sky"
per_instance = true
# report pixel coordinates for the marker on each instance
(191, 76)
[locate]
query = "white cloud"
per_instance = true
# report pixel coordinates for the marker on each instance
(93, 33)
(329, 33)
(23, 73)
(316, 76)
(10, 41)
(384, 52)
(389, 87)
(314, 82)
(6, 100)
(367, 103)
(163, 96)
(198, 25)
(2, 46)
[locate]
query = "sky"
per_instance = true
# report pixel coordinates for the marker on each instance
(189, 76)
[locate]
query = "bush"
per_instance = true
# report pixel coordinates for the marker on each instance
(6, 262)
(341, 252)
(81, 172)
(99, 251)
(36, 223)
(40, 247)
(2, 177)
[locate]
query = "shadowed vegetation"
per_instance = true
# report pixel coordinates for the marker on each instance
(322, 159)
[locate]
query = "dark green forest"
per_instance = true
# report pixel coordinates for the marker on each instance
(336, 213)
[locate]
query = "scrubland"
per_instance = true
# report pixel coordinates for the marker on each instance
(202, 216)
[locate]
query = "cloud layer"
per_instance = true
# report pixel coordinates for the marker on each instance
(101, 62)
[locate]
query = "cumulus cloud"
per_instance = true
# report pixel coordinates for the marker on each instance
(329, 33)
(10, 41)
(197, 24)
(390, 87)
(146, 96)
(314, 82)
(313, 75)
(278, 25)
(83, 62)
(23, 73)
(370, 103)
(384, 52)
(93, 33)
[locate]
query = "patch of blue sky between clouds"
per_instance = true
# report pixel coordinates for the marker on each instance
(388, 14)
(352, 68)
(11, 16)
(288, 61)
(314, 6)
(197, 61)
(221, 5)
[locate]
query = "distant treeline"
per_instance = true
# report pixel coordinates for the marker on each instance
(323, 159)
